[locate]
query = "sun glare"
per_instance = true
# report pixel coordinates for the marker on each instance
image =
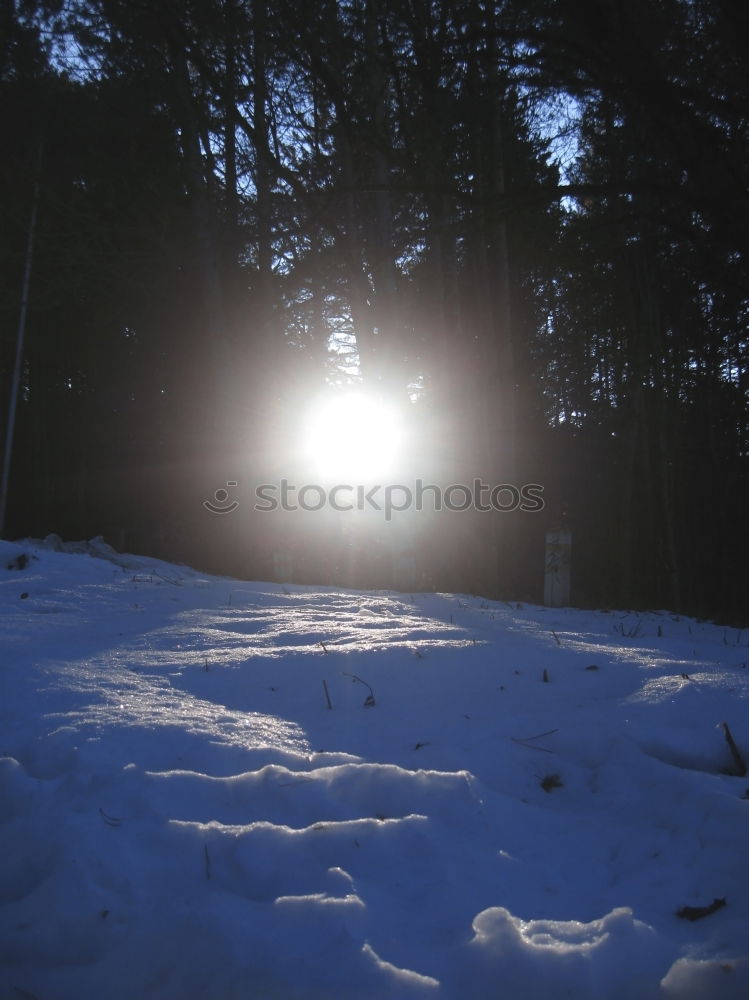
(352, 437)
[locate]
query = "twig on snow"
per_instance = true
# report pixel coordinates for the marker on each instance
(738, 759)
(370, 700)
(697, 912)
(525, 741)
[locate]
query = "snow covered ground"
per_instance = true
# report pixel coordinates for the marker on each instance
(225, 790)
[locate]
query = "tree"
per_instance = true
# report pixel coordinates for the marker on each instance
(279, 196)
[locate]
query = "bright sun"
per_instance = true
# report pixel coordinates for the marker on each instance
(353, 437)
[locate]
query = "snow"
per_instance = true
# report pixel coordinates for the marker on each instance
(522, 811)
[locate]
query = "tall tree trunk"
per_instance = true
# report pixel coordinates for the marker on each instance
(380, 242)
(263, 186)
(496, 359)
(359, 289)
(232, 237)
(219, 409)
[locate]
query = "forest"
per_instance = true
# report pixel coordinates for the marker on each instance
(526, 224)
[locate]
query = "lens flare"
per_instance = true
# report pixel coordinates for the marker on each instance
(353, 437)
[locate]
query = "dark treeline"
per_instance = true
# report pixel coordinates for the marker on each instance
(526, 222)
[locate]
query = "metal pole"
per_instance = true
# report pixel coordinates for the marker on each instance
(18, 366)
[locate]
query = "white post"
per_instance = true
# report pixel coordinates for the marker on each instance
(557, 577)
